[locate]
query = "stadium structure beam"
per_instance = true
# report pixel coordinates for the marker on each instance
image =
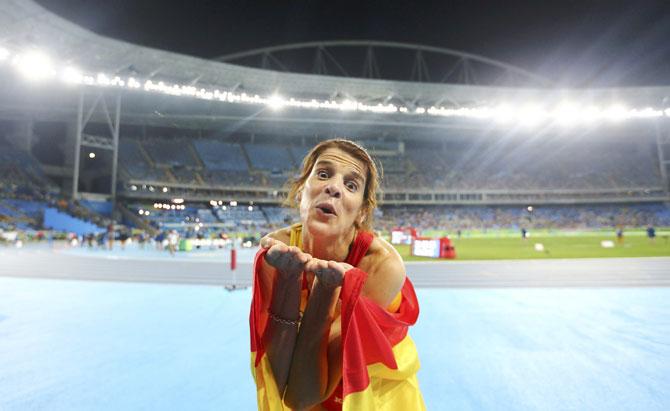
(85, 140)
(370, 44)
(663, 146)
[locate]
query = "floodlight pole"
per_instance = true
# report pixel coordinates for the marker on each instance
(115, 147)
(77, 145)
(663, 139)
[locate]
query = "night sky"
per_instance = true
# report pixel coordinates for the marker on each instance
(578, 43)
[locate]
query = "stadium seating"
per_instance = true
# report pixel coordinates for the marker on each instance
(217, 155)
(269, 157)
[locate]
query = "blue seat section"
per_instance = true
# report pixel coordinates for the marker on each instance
(269, 157)
(59, 221)
(281, 216)
(230, 178)
(170, 152)
(131, 158)
(299, 153)
(99, 207)
(28, 208)
(217, 155)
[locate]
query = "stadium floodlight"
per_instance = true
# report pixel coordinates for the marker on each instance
(250, 208)
(178, 200)
(165, 189)
(34, 65)
(567, 114)
(141, 212)
(72, 75)
(91, 155)
(616, 112)
(420, 110)
(233, 203)
(531, 115)
(276, 102)
(647, 112)
(502, 113)
(147, 212)
(224, 208)
(212, 203)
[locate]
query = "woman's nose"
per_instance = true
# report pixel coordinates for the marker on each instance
(333, 190)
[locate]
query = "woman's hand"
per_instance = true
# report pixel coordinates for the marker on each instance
(329, 273)
(288, 260)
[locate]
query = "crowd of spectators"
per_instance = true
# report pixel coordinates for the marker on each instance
(454, 218)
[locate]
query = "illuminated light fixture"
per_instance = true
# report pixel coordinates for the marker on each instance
(91, 155)
(178, 200)
(250, 208)
(152, 189)
(531, 115)
(667, 112)
(220, 202)
(4, 54)
(141, 212)
(616, 113)
(133, 187)
(224, 208)
(165, 189)
(34, 65)
(502, 114)
(146, 212)
(567, 114)
(646, 112)
(212, 203)
(420, 110)
(72, 75)
(276, 102)
(233, 203)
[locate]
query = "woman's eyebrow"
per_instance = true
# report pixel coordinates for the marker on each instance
(323, 163)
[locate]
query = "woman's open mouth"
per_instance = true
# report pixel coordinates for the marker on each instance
(326, 209)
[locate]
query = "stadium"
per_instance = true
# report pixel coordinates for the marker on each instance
(137, 183)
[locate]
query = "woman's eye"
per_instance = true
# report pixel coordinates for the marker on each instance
(322, 174)
(352, 186)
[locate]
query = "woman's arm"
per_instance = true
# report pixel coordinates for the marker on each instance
(316, 367)
(280, 272)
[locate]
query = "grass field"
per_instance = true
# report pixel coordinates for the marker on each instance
(500, 246)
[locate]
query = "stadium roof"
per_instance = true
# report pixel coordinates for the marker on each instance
(25, 24)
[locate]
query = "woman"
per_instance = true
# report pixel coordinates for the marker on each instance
(321, 337)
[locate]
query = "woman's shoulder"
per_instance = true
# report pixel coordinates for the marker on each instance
(381, 251)
(386, 272)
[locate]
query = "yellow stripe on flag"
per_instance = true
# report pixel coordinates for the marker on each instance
(390, 389)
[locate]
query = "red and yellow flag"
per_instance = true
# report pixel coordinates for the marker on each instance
(380, 360)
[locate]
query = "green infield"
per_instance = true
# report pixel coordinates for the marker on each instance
(584, 245)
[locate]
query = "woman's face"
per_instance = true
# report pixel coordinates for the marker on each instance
(332, 199)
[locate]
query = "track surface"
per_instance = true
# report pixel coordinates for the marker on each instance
(214, 269)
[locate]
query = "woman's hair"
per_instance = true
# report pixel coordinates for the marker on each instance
(372, 179)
